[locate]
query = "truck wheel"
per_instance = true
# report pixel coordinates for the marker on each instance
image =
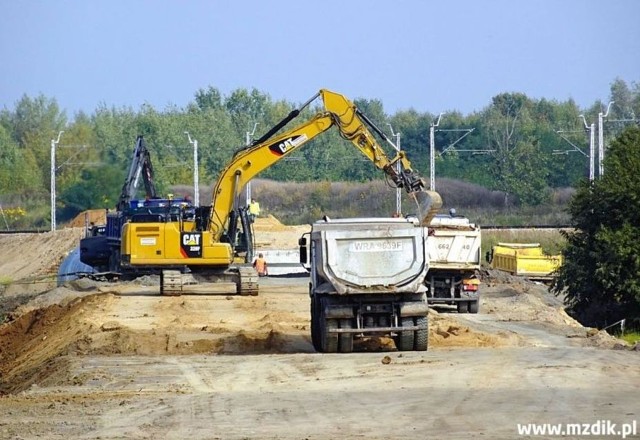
(421, 341)
(405, 340)
(329, 340)
(315, 327)
(463, 306)
(345, 340)
(474, 306)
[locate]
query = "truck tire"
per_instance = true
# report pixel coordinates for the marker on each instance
(404, 341)
(463, 306)
(345, 340)
(329, 340)
(474, 306)
(421, 337)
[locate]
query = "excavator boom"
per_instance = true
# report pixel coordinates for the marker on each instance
(270, 148)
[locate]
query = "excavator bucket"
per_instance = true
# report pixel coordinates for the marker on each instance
(428, 204)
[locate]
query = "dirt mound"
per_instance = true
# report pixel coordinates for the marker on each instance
(30, 345)
(446, 331)
(92, 216)
(268, 223)
(527, 301)
(34, 256)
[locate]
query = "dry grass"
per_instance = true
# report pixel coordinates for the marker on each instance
(304, 202)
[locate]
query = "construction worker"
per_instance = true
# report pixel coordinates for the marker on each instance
(260, 265)
(254, 210)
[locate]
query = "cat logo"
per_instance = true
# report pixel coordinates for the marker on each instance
(191, 244)
(285, 145)
(191, 239)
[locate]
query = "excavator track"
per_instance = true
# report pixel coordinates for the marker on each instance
(172, 282)
(248, 281)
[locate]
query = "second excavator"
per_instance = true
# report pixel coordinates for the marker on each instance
(206, 244)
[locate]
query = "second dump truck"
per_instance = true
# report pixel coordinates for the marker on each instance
(453, 247)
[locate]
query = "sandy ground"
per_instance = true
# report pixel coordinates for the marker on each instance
(115, 360)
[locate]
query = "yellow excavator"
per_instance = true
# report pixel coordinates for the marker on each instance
(206, 243)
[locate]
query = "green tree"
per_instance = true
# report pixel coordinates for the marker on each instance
(98, 188)
(246, 108)
(600, 273)
(414, 137)
(10, 161)
(622, 96)
(32, 125)
(518, 168)
(209, 99)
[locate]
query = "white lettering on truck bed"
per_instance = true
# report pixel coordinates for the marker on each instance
(375, 246)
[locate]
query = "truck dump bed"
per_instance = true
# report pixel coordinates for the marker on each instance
(368, 255)
(454, 243)
(524, 259)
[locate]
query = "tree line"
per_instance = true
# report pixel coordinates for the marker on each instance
(510, 146)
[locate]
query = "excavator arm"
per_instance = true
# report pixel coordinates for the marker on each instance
(272, 147)
(140, 166)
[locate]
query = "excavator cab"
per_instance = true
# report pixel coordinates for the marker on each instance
(240, 235)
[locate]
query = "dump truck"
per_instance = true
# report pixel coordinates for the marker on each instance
(453, 247)
(524, 260)
(367, 279)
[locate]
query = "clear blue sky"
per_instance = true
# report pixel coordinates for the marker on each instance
(429, 55)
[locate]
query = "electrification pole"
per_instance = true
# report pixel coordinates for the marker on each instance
(432, 154)
(398, 170)
(196, 183)
(54, 142)
(601, 139)
(249, 135)
(592, 136)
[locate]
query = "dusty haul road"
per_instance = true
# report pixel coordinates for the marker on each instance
(104, 361)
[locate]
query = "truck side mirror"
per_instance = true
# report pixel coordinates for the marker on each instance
(302, 242)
